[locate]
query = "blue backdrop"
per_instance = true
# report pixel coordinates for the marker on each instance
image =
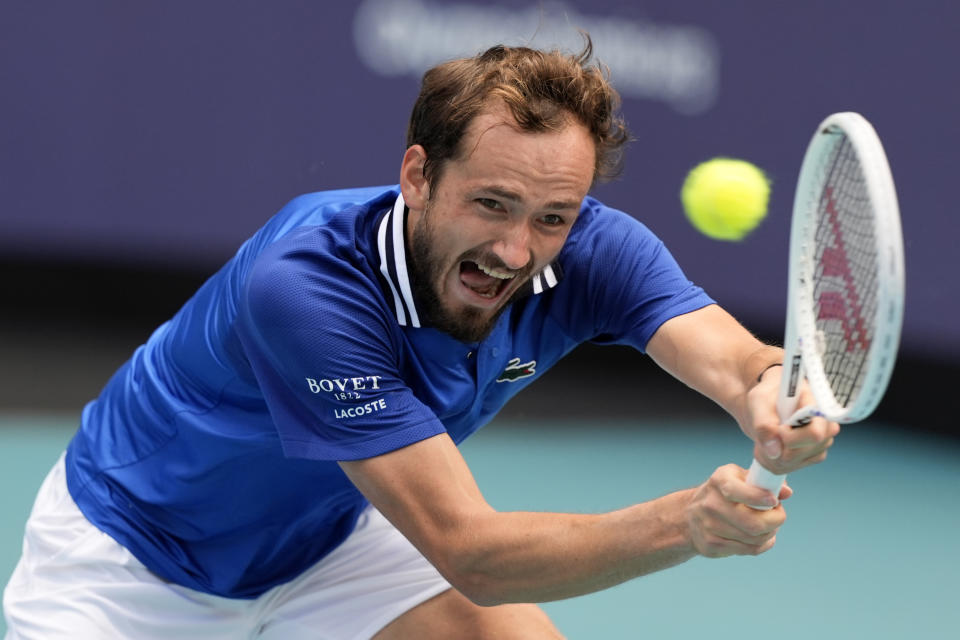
(165, 133)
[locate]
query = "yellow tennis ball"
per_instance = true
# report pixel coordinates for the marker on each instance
(725, 198)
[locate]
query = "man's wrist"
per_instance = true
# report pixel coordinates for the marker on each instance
(767, 368)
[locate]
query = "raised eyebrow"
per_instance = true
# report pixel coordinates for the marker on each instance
(558, 205)
(563, 205)
(504, 194)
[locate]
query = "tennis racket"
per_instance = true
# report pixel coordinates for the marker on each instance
(846, 281)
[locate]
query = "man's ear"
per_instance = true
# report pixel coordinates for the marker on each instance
(413, 183)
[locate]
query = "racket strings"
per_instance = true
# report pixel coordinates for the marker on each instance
(845, 274)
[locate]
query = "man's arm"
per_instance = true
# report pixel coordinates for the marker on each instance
(429, 494)
(711, 352)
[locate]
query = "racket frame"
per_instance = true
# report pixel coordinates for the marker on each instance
(888, 316)
(801, 359)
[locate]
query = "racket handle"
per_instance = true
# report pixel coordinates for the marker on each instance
(758, 476)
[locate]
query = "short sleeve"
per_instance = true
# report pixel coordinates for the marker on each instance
(629, 280)
(313, 327)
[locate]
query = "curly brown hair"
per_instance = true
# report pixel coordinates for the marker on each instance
(542, 89)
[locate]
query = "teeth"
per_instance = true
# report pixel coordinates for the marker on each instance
(501, 275)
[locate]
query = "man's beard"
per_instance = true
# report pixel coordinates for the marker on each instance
(466, 325)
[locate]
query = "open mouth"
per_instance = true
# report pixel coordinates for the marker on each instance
(486, 282)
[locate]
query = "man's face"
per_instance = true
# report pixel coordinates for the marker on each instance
(493, 218)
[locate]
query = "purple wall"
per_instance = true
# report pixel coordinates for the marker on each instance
(166, 133)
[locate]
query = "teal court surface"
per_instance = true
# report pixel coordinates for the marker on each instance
(870, 550)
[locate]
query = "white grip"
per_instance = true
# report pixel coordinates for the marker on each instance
(758, 476)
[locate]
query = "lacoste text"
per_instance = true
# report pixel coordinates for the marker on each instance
(362, 410)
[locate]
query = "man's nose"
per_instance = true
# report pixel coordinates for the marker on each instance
(514, 247)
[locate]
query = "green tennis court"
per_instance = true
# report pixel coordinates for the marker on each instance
(869, 550)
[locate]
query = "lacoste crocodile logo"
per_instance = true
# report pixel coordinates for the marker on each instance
(516, 371)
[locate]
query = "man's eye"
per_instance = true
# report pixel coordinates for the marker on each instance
(489, 204)
(552, 220)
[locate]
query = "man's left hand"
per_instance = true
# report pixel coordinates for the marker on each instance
(779, 447)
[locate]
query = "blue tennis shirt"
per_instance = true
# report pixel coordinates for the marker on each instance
(212, 453)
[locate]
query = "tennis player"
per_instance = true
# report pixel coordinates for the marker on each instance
(279, 460)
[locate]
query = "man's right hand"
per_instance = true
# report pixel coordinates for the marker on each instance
(720, 518)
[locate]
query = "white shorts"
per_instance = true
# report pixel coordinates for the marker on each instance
(74, 581)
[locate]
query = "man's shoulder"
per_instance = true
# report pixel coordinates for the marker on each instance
(598, 217)
(315, 231)
(347, 196)
(321, 259)
(319, 207)
(600, 229)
